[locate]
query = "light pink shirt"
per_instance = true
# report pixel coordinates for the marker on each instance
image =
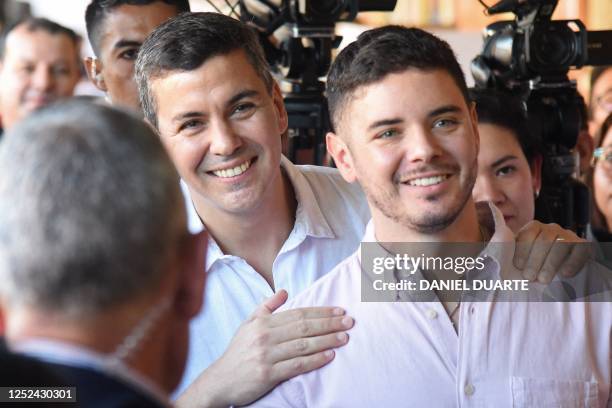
(407, 354)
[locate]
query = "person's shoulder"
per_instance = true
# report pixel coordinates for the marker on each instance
(327, 183)
(99, 389)
(336, 287)
(321, 176)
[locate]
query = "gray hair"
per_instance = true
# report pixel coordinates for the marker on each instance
(187, 41)
(90, 209)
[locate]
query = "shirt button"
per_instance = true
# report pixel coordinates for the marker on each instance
(469, 389)
(432, 314)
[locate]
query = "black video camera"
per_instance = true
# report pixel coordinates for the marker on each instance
(302, 55)
(534, 45)
(530, 58)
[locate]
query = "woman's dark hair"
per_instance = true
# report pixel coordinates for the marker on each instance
(504, 110)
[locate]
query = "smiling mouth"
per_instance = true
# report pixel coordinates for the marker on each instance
(233, 171)
(427, 181)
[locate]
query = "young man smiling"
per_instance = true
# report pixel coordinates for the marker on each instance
(405, 129)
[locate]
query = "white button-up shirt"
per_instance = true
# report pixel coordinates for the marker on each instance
(407, 354)
(330, 220)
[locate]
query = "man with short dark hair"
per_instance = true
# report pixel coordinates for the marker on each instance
(100, 275)
(405, 128)
(204, 84)
(116, 30)
(39, 64)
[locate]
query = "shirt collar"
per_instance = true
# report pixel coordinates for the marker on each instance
(308, 214)
(490, 219)
(495, 231)
(309, 218)
(58, 352)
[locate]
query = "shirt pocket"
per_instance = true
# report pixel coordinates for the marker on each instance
(549, 393)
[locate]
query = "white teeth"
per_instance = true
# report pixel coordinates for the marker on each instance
(427, 181)
(233, 172)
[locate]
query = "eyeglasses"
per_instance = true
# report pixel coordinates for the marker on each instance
(603, 155)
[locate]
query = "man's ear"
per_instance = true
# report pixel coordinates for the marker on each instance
(190, 290)
(341, 154)
(93, 66)
(279, 104)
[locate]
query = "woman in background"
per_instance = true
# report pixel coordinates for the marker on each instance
(600, 183)
(509, 159)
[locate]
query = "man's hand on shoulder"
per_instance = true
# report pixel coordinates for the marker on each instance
(267, 349)
(544, 250)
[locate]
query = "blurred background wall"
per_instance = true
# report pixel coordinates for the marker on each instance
(460, 22)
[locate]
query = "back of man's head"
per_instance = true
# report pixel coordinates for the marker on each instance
(382, 51)
(35, 24)
(90, 210)
(98, 10)
(187, 41)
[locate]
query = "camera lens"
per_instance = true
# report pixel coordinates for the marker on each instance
(553, 47)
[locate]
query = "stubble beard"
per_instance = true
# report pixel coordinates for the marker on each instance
(429, 223)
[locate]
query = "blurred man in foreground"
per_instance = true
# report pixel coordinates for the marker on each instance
(39, 64)
(100, 276)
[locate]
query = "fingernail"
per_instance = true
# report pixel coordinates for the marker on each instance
(529, 274)
(347, 321)
(329, 353)
(338, 311)
(342, 337)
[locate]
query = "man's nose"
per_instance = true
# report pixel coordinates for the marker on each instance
(43, 78)
(225, 141)
(422, 146)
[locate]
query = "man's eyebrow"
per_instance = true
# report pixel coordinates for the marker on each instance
(444, 109)
(503, 159)
(395, 121)
(385, 122)
(198, 114)
(127, 43)
(187, 115)
(247, 93)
